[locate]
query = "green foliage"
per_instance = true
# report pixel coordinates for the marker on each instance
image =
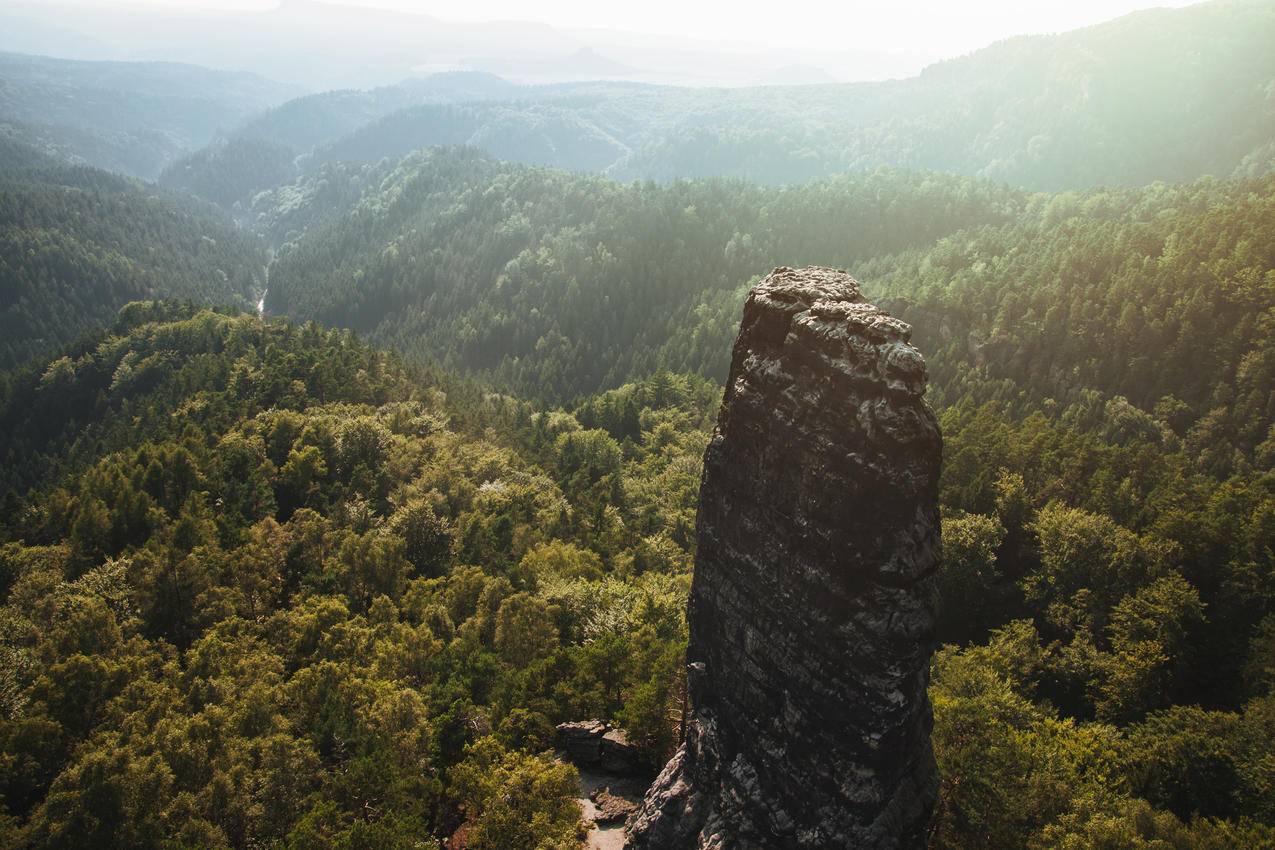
(290, 592)
(1107, 306)
(77, 244)
(1080, 551)
(264, 585)
(1008, 767)
(559, 284)
(1099, 822)
(231, 170)
(1115, 714)
(974, 592)
(1184, 759)
(1153, 632)
(1156, 334)
(517, 801)
(242, 614)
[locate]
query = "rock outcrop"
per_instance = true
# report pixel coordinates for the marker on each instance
(811, 611)
(597, 745)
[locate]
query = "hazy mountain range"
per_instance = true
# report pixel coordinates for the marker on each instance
(125, 116)
(1156, 95)
(327, 45)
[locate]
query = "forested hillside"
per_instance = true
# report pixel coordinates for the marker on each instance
(1160, 300)
(131, 117)
(548, 133)
(313, 120)
(76, 244)
(556, 285)
(1168, 94)
(559, 284)
(326, 578)
(270, 587)
(231, 170)
(264, 585)
(263, 152)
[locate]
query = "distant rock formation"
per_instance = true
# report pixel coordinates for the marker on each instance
(811, 612)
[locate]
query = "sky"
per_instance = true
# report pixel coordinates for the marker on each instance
(935, 27)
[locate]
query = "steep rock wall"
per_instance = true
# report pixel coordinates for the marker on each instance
(811, 611)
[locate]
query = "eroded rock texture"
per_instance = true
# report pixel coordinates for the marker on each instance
(811, 611)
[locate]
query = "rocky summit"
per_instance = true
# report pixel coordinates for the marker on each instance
(812, 609)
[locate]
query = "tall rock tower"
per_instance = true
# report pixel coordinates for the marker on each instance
(811, 612)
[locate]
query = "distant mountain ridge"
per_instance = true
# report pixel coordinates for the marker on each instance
(329, 45)
(1169, 94)
(130, 117)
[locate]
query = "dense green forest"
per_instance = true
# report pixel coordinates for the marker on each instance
(314, 120)
(1167, 94)
(266, 586)
(77, 244)
(1156, 301)
(559, 284)
(229, 171)
(1126, 102)
(327, 578)
(1155, 304)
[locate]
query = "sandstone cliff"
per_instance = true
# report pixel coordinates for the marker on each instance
(811, 610)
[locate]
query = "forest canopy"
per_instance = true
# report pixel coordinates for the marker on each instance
(77, 244)
(266, 585)
(1153, 306)
(325, 573)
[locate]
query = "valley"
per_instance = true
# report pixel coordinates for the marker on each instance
(352, 440)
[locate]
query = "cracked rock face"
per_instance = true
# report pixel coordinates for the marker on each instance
(811, 612)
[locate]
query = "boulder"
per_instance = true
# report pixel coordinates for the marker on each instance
(611, 808)
(597, 745)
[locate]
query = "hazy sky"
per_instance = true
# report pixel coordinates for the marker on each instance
(941, 27)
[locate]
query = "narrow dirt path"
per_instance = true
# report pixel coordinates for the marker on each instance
(609, 836)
